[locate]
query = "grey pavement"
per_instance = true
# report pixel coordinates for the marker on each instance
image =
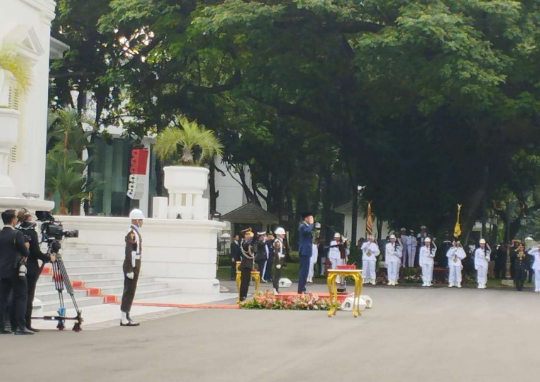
(411, 334)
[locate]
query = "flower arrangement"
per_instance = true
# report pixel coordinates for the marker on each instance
(267, 300)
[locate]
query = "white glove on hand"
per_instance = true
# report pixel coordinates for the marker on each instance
(278, 266)
(130, 275)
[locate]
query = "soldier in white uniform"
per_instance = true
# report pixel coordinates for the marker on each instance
(536, 268)
(481, 262)
(455, 254)
(393, 260)
(413, 243)
(334, 255)
(370, 251)
(313, 260)
(404, 240)
(427, 253)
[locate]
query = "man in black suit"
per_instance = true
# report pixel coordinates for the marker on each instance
(13, 253)
(236, 255)
(29, 231)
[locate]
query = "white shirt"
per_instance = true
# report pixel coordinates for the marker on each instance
(393, 253)
(481, 257)
(314, 253)
(536, 253)
(426, 255)
(455, 253)
(333, 252)
(372, 249)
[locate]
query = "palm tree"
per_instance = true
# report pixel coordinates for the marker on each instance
(192, 142)
(17, 66)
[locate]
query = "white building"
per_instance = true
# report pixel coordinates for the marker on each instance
(346, 210)
(25, 27)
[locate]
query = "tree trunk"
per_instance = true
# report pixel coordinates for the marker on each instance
(326, 204)
(159, 177)
(471, 206)
(62, 209)
(212, 185)
(354, 212)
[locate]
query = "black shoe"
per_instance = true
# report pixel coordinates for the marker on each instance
(32, 329)
(5, 331)
(23, 332)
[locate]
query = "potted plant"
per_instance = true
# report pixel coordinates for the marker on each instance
(11, 65)
(188, 145)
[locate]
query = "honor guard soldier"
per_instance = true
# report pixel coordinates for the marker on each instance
(246, 264)
(279, 257)
(536, 267)
(427, 254)
(132, 266)
(481, 260)
(370, 251)
(393, 260)
(455, 254)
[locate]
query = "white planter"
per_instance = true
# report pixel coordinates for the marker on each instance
(9, 128)
(186, 186)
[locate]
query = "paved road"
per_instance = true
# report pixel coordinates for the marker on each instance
(410, 335)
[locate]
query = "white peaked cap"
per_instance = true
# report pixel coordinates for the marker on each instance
(337, 234)
(482, 241)
(392, 236)
(279, 231)
(428, 239)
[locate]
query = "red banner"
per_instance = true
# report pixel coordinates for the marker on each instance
(138, 161)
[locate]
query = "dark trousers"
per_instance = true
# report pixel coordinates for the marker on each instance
(275, 278)
(245, 278)
(233, 270)
(500, 270)
(260, 268)
(521, 275)
(18, 286)
(303, 272)
(268, 272)
(531, 275)
(320, 264)
(31, 281)
(130, 287)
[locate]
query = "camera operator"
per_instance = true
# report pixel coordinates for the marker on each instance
(28, 228)
(13, 254)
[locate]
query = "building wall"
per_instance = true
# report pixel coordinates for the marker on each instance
(26, 24)
(361, 227)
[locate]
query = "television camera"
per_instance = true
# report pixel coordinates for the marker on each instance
(52, 233)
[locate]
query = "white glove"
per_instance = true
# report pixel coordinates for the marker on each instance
(278, 266)
(130, 275)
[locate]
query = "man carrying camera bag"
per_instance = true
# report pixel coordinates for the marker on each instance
(132, 266)
(13, 254)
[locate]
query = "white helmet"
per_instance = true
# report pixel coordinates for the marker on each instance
(482, 241)
(279, 231)
(392, 236)
(427, 240)
(337, 234)
(136, 214)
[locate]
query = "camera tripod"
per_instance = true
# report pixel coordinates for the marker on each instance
(61, 279)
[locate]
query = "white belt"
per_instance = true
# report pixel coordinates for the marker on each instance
(137, 257)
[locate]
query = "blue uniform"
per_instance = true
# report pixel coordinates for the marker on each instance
(304, 251)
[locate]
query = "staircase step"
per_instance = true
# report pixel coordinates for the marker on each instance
(75, 263)
(141, 287)
(144, 295)
(53, 295)
(112, 282)
(92, 268)
(52, 306)
(82, 256)
(83, 276)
